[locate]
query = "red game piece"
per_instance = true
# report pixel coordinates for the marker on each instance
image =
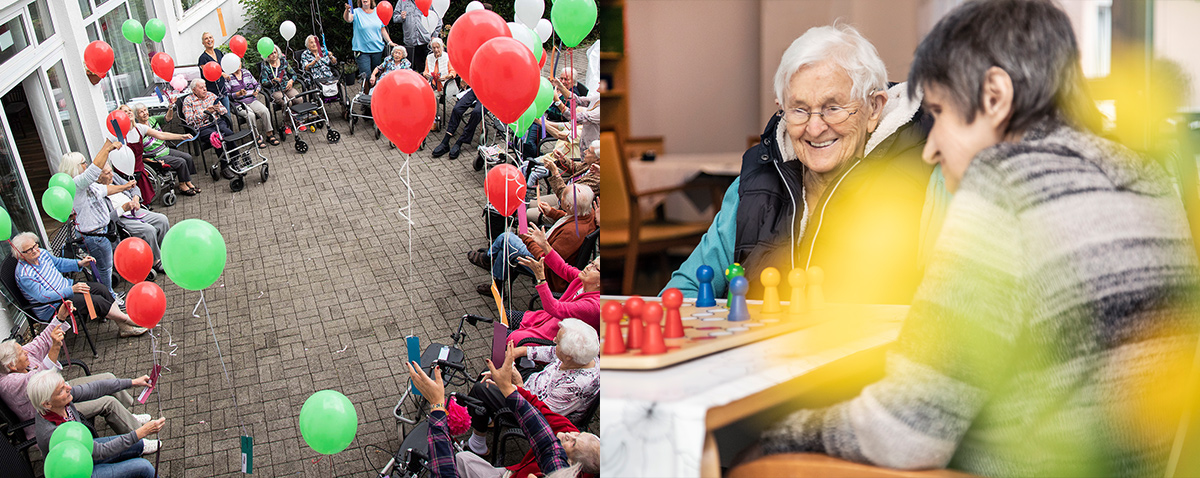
(633, 308)
(613, 342)
(672, 299)
(653, 343)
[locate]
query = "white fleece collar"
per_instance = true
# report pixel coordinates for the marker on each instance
(897, 112)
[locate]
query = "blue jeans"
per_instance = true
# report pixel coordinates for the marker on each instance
(506, 249)
(128, 463)
(367, 62)
(102, 249)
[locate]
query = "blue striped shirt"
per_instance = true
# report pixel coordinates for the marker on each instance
(44, 283)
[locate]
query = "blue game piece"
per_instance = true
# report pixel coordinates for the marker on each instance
(738, 311)
(705, 296)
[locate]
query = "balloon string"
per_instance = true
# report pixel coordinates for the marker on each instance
(221, 357)
(158, 397)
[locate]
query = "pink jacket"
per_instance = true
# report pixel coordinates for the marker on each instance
(574, 303)
(12, 385)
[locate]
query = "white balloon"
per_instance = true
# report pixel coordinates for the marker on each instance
(524, 35)
(287, 29)
(474, 5)
(441, 6)
(432, 20)
(528, 12)
(122, 159)
(230, 63)
(544, 29)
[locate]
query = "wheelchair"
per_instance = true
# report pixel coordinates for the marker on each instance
(164, 179)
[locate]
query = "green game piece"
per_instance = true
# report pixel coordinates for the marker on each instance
(734, 270)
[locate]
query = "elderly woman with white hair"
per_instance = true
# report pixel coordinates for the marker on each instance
(557, 451)
(40, 278)
(115, 456)
(19, 362)
(837, 181)
(437, 64)
(567, 385)
(316, 61)
(573, 221)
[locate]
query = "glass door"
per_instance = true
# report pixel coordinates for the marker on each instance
(15, 195)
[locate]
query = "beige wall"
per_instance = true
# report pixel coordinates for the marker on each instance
(1176, 38)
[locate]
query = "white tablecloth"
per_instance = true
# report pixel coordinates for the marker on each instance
(653, 423)
(670, 170)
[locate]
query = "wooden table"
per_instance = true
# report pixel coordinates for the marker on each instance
(670, 170)
(661, 422)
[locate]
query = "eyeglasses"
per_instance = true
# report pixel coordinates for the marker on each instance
(31, 249)
(831, 115)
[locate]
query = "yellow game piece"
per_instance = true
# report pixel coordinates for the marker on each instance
(816, 293)
(770, 282)
(796, 282)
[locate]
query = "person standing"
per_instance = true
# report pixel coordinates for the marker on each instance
(416, 36)
(370, 36)
(211, 54)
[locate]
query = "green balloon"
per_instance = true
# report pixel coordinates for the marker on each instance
(525, 121)
(65, 181)
(193, 254)
(573, 20)
(72, 431)
(328, 421)
(544, 98)
(156, 29)
(5, 225)
(266, 46)
(538, 50)
(69, 460)
(132, 29)
(57, 202)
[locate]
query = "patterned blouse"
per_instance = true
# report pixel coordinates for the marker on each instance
(274, 78)
(321, 69)
(566, 392)
(389, 66)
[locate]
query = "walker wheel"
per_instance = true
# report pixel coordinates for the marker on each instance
(237, 184)
(353, 119)
(333, 136)
(215, 171)
(301, 147)
(264, 172)
(168, 199)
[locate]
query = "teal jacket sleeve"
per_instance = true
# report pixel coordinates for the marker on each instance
(715, 249)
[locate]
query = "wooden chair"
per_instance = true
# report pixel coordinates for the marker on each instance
(817, 465)
(623, 234)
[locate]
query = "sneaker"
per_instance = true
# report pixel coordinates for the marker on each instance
(454, 150)
(119, 299)
(150, 446)
(142, 418)
(132, 331)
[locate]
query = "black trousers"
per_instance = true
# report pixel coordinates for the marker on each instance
(492, 400)
(221, 125)
(102, 300)
(468, 101)
(417, 54)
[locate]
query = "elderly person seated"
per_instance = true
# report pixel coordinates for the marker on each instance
(573, 222)
(119, 455)
(18, 363)
(581, 300)
(154, 147)
(40, 278)
(202, 111)
(437, 65)
(126, 203)
(837, 181)
(315, 61)
(397, 61)
(468, 101)
(567, 385)
(279, 80)
(1045, 318)
(244, 89)
(559, 169)
(565, 87)
(559, 455)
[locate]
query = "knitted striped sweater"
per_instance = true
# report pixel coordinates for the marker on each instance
(1048, 334)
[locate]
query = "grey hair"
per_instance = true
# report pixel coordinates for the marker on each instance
(19, 242)
(845, 47)
(71, 162)
(595, 147)
(579, 197)
(196, 82)
(587, 452)
(138, 107)
(9, 351)
(437, 41)
(564, 71)
(41, 387)
(313, 38)
(1031, 40)
(579, 341)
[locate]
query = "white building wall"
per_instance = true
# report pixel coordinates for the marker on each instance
(183, 32)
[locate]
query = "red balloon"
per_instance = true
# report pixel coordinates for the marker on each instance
(542, 64)
(469, 32)
(237, 45)
(506, 78)
(163, 65)
(505, 187)
(212, 71)
(384, 10)
(123, 121)
(98, 57)
(133, 259)
(146, 304)
(423, 5)
(410, 108)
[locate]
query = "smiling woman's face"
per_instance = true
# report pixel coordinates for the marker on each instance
(821, 146)
(208, 40)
